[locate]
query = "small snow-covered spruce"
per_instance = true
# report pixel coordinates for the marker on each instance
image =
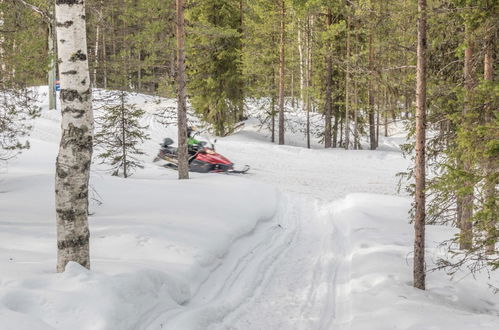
(17, 108)
(119, 134)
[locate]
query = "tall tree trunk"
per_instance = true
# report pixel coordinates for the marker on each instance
(372, 128)
(104, 59)
(96, 55)
(466, 201)
(123, 133)
(281, 73)
(75, 150)
(420, 200)
(309, 74)
(183, 164)
(490, 164)
(301, 51)
(328, 104)
(356, 142)
(272, 113)
(52, 67)
(347, 87)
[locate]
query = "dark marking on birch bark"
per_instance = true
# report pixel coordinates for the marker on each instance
(77, 113)
(67, 215)
(72, 94)
(61, 173)
(84, 82)
(66, 24)
(80, 240)
(68, 2)
(78, 56)
(77, 137)
(70, 72)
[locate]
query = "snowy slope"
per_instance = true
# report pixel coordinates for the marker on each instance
(310, 239)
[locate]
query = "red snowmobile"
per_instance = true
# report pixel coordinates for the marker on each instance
(202, 158)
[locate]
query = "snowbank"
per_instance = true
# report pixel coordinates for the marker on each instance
(377, 290)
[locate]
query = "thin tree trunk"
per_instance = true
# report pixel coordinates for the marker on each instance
(309, 74)
(490, 165)
(104, 60)
(420, 200)
(272, 114)
(183, 164)
(385, 111)
(75, 150)
(372, 128)
(123, 133)
(328, 104)
(52, 67)
(281, 73)
(96, 54)
(302, 67)
(347, 88)
(466, 201)
(355, 119)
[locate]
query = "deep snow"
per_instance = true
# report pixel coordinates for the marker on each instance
(310, 239)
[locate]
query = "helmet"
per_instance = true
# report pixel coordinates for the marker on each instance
(190, 130)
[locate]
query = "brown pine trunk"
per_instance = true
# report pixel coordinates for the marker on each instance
(420, 215)
(490, 164)
(281, 74)
(466, 201)
(328, 104)
(183, 165)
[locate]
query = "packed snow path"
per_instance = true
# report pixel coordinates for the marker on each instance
(296, 275)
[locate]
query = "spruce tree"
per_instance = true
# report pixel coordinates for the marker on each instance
(214, 48)
(120, 134)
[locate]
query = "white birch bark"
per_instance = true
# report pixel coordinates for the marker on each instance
(75, 151)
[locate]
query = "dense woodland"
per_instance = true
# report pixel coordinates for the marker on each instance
(352, 61)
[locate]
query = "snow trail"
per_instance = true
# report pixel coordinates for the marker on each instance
(297, 277)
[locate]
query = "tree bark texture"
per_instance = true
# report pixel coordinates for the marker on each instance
(420, 215)
(52, 67)
(466, 201)
(75, 151)
(183, 165)
(372, 127)
(328, 104)
(281, 73)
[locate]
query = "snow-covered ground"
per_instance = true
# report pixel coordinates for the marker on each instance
(309, 239)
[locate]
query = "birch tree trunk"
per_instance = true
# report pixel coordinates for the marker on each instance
(183, 165)
(419, 221)
(281, 73)
(75, 151)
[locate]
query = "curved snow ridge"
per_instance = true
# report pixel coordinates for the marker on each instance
(243, 274)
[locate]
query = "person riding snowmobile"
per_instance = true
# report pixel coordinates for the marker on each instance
(193, 145)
